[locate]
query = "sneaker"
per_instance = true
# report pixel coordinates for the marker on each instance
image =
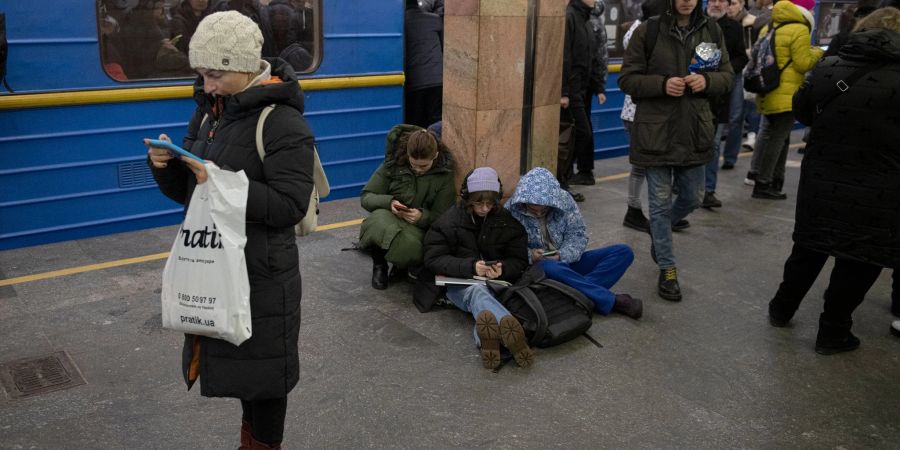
(749, 143)
(668, 288)
(513, 337)
(710, 201)
(629, 306)
(750, 180)
(584, 178)
(489, 334)
(727, 165)
(681, 225)
(895, 328)
(635, 219)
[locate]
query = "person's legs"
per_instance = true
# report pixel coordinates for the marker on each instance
(488, 332)
(850, 280)
(753, 117)
(689, 183)
(659, 198)
(801, 269)
(778, 173)
(584, 146)
(594, 274)
(634, 216)
(773, 139)
(712, 167)
(735, 123)
(756, 158)
(266, 419)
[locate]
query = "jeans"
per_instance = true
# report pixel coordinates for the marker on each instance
(594, 274)
(663, 212)
(712, 167)
(475, 299)
(739, 110)
(774, 147)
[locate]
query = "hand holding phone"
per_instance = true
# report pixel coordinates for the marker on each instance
(174, 149)
(550, 253)
(491, 262)
(401, 207)
(175, 39)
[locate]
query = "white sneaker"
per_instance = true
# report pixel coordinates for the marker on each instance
(895, 328)
(750, 142)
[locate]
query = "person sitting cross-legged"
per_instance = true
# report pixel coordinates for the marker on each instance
(557, 239)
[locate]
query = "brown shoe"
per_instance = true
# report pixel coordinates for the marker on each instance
(513, 337)
(489, 333)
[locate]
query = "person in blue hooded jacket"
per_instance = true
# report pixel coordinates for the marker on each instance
(557, 239)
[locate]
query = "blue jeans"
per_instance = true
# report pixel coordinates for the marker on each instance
(663, 213)
(712, 167)
(475, 299)
(739, 110)
(594, 274)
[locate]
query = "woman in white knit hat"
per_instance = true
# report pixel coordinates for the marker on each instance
(234, 86)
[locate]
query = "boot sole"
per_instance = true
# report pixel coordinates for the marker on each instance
(489, 333)
(636, 227)
(669, 297)
(835, 350)
(513, 337)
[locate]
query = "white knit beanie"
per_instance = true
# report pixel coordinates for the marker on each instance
(227, 41)
(483, 179)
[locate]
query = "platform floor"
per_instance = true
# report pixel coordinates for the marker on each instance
(708, 372)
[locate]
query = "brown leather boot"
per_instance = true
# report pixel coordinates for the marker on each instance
(245, 435)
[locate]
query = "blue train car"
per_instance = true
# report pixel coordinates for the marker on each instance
(71, 160)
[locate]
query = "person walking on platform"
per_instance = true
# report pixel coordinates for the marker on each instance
(673, 64)
(423, 65)
(847, 202)
(792, 21)
(478, 237)
(405, 195)
(233, 88)
(554, 225)
(579, 84)
(734, 43)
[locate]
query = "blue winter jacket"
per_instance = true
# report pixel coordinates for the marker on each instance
(564, 222)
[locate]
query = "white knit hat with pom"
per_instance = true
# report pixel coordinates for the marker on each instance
(227, 41)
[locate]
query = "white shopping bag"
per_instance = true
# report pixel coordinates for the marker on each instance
(205, 289)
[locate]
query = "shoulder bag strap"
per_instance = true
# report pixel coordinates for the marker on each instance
(844, 84)
(319, 178)
(532, 300)
(260, 148)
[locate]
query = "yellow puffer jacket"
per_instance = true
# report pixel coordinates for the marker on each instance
(792, 42)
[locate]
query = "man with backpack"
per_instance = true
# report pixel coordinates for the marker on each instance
(788, 39)
(674, 63)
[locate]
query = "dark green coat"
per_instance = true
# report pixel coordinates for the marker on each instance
(672, 131)
(432, 193)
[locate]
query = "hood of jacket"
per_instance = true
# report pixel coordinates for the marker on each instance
(876, 44)
(581, 8)
(697, 15)
(787, 12)
(538, 187)
(281, 89)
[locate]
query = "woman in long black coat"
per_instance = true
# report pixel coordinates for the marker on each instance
(234, 86)
(848, 204)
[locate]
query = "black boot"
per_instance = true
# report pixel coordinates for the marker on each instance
(780, 313)
(668, 288)
(379, 269)
(634, 219)
(766, 191)
(835, 337)
(778, 184)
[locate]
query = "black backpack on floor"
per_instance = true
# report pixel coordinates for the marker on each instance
(550, 312)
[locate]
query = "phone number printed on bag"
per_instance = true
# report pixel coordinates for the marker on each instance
(187, 300)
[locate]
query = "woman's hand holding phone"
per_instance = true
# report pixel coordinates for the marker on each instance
(160, 158)
(489, 269)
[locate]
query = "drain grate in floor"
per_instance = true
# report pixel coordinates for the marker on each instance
(35, 376)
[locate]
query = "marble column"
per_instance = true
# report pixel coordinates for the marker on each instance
(487, 64)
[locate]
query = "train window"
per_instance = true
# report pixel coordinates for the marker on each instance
(833, 17)
(148, 39)
(618, 17)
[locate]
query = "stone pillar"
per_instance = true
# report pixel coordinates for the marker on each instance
(493, 49)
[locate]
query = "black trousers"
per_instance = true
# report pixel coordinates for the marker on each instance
(266, 419)
(423, 106)
(850, 280)
(584, 135)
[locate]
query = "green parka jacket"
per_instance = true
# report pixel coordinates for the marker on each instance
(433, 193)
(672, 131)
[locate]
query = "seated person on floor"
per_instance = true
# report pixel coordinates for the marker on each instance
(409, 191)
(557, 239)
(477, 237)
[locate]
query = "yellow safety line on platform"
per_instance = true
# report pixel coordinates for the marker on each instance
(100, 96)
(164, 255)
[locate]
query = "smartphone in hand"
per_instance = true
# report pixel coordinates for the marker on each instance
(550, 253)
(491, 262)
(174, 149)
(401, 207)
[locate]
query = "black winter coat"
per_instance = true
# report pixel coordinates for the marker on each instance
(424, 42)
(455, 242)
(267, 364)
(579, 55)
(734, 44)
(848, 204)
